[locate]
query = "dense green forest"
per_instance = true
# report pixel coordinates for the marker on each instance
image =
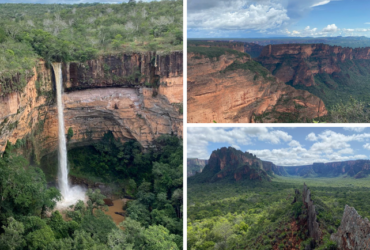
(152, 177)
(64, 32)
(258, 215)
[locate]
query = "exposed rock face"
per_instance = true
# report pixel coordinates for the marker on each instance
(353, 232)
(129, 70)
(129, 113)
(356, 169)
(272, 169)
(232, 164)
(195, 165)
(299, 63)
(220, 92)
(253, 49)
(313, 226)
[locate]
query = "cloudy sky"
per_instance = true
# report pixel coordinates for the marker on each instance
(278, 18)
(284, 146)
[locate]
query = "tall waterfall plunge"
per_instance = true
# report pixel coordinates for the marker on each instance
(70, 195)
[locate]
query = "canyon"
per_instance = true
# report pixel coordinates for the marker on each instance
(332, 73)
(96, 101)
(195, 165)
(233, 88)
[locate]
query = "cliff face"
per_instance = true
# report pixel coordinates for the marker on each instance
(356, 169)
(234, 89)
(299, 63)
(232, 164)
(129, 70)
(272, 169)
(353, 232)
(137, 112)
(195, 165)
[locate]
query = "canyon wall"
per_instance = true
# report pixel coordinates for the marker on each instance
(231, 164)
(235, 89)
(272, 169)
(94, 106)
(299, 63)
(353, 232)
(195, 165)
(357, 169)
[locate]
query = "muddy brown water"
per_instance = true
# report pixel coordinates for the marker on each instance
(117, 207)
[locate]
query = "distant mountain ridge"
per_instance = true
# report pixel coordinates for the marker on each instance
(232, 164)
(356, 169)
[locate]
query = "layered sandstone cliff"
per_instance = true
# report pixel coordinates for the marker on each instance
(272, 169)
(129, 112)
(299, 63)
(353, 232)
(356, 169)
(235, 89)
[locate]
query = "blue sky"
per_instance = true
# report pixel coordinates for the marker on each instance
(278, 18)
(284, 146)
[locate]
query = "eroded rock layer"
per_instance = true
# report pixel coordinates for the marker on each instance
(353, 232)
(29, 118)
(195, 165)
(299, 63)
(235, 89)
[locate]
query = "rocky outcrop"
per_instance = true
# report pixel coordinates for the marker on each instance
(313, 226)
(356, 169)
(195, 165)
(140, 113)
(353, 232)
(235, 89)
(298, 64)
(232, 164)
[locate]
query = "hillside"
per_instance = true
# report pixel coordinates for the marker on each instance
(225, 86)
(332, 73)
(195, 165)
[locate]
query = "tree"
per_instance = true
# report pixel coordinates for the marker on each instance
(12, 238)
(70, 133)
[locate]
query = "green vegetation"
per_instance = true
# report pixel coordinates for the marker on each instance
(252, 66)
(259, 215)
(81, 32)
(152, 178)
(352, 81)
(70, 133)
(215, 52)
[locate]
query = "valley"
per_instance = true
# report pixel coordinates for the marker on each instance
(241, 202)
(330, 82)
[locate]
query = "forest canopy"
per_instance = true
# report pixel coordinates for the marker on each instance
(63, 32)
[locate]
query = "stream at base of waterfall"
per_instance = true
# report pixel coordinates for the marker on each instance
(70, 195)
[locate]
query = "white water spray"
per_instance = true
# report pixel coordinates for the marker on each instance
(70, 195)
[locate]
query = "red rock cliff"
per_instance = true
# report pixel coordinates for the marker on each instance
(129, 112)
(243, 95)
(299, 63)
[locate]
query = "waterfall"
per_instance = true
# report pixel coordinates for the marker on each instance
(70, 195)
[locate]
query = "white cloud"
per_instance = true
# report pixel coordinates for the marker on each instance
(236, 15)
(294, 143)
(199, 138)
(355, 129)
(367, 146)
(321, 3)
(311, 137)
(330, 28)
(367, 23)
